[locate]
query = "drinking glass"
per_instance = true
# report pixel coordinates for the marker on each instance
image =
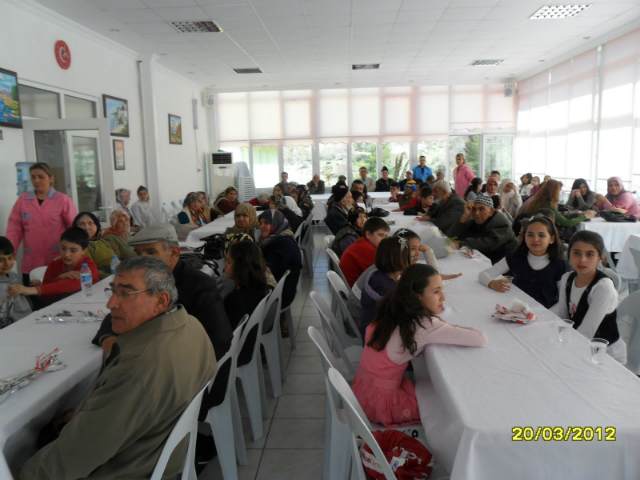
(598, 350)
(564, 328)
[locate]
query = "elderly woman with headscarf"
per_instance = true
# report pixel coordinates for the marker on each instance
(291, 203)
(194, 215)
(280, 251)
(246, 221)
(618, 198)
(511, 199)
(227, 201)
(277, 202)
(123, 197)
(100, 251)
(261, 202)
(118, 234)
(303, 199)
(347, 235)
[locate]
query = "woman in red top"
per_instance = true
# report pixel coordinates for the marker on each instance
(362, 253)
(228, 200)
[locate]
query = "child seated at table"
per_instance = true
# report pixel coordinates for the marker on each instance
(404, 324)
(12, 308)
(536, 266)
(394, 188)
(361, 254)
(588, 296)
(62, 277)
(425, 202)
(411, 197)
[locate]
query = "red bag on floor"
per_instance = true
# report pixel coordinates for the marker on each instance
(408, 458)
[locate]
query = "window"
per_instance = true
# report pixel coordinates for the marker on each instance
(498, 155)
(297, 162)
(265, 167)
(238, 154)
(395, 156)
(470, 145)
(39, 103)
(78, 108)
(436, 153)
(333, 162)
(364, 155)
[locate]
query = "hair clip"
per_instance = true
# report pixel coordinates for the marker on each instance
(403, 242)
(401, 232)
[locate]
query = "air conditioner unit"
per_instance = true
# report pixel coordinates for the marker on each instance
(221, 172)
(208, 99)
(509, 90)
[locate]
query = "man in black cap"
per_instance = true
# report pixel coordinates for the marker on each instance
(384, 184)
(197, 291)
(337, 215)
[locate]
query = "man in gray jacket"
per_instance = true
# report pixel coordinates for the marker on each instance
(483, 229)
(161, 359)
(449, 207)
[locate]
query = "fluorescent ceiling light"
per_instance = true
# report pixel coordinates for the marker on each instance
(558, 11)
(242, 71)
(486, 63)
(196, 27)
(366, 66)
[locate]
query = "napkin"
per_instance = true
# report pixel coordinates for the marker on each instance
(518, 312)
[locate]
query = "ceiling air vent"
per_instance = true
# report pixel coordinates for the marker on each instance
(558, 11)
(486, 63)
(366, 66)
(196, 27)
(242, 71)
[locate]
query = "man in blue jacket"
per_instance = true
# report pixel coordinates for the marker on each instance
(422, 171)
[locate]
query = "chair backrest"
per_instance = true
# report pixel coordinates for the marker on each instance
(248, 346)
(615, 278)
(635, 253)
(37, 273)
(630, 306)
(332, 327)
(167, 212)
(177, 205)
(607, 257)
(220, 384)
(187, 425)
(335, 261)
(359, 424)
(297, 236)
(328, 241)
(342, 292)
(274, 305)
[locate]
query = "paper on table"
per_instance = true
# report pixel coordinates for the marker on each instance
(518, 312)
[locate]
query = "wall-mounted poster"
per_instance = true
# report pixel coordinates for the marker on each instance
(118, 154)
(175, 130)
(9, 100)
(117, 111)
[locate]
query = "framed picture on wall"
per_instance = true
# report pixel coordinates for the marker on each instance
(175, 130)
(117, 111)
(118, 154)
(10, 115)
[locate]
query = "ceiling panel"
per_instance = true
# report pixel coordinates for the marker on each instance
(134, 15)
(224, 12)
(182, 14)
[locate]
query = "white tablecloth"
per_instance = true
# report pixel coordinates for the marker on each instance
(524, 377)
(626, 266)
(614, 234)
(24, 413)
(320, 202)
(219, 225)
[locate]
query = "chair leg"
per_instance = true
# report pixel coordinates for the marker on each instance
(238, 434)
(339, 448)
(189, 471)
(248, 375)
(221, 421)
(292, 337)
(326, 464)
(263, 390)
(272, 352)
(283, 363)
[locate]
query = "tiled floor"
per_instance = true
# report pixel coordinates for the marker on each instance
(292, 447)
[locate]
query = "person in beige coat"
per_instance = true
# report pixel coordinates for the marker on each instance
(161, 359)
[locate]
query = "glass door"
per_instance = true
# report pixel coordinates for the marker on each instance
(85, 168)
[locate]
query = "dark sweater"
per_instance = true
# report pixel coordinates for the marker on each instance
(542, 285)
(336, 219)
(282, 254)
(494, 238)
(198, 293)
(374, 289)
(448, 213)
(241, 302)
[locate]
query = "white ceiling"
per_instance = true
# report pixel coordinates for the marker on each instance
(312, 43)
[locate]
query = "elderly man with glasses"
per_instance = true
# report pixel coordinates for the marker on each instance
(146, 383)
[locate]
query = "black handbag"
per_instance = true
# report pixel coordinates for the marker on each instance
(378, 212)
(610, 216)
(213, 248)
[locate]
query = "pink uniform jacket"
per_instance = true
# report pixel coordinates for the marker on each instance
(462, 177)
(40, 227)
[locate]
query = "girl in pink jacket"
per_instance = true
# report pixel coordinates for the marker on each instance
(462, 175)
(38, 218)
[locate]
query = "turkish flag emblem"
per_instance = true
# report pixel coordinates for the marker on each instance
(63, 54)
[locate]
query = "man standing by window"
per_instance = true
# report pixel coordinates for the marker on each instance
(421, 171)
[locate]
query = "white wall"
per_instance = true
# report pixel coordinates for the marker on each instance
(98, 67)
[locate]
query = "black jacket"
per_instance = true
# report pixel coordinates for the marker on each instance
(282, 254)
(336, 219)
(383, 185)
(494, 239)
(199, 295)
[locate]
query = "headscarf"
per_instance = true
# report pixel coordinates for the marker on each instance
(120, 193)
(233, 238)
(614, 198)
(279, 225)
(114, 218)
(353, 215)
(198, 215)
(248, 210)
(279, 201)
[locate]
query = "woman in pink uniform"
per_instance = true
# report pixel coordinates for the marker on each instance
(462, 175)
(404, 324)
(38, 218)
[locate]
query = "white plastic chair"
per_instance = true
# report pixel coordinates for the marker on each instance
(249, 370)
(328, 241)
(224, 416)
(306, 244)
(342, 292)
(37, 273)
(630, 306)
(335, 261)
(186, 425)
(349, 353)
(177, 205)
(615, 278)
(271, 338)
(633, 286)
(359, 426)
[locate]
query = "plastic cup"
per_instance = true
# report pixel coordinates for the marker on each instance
(564, 327)
(508, 277)
(598, 350)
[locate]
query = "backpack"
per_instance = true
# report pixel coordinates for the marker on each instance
(409, 459)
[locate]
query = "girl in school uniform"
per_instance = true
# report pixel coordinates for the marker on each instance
(404, 324)
(588, 296)
(536, 266)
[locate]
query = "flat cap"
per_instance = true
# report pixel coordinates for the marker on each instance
(160, 232)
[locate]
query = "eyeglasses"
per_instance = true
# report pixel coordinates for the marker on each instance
(121, 294)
